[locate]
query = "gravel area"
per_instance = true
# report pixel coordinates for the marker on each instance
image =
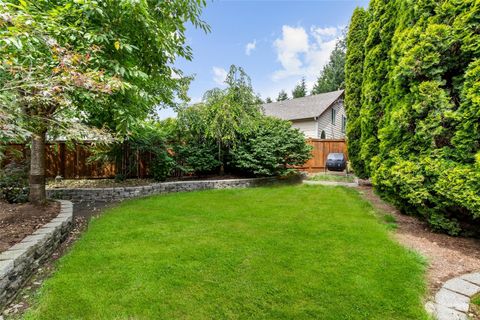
(448, 256)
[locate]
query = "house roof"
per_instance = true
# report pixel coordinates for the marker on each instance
(302, 108)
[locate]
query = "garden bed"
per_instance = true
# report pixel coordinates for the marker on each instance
(20, 220)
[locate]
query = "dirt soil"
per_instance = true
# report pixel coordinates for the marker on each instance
(20, 220)
(448, 256)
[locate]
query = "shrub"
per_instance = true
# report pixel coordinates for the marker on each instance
(272, 149)
(199, 158)
(14, 183)
(162, 165)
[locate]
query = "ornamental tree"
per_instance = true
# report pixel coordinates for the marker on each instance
(106, 64)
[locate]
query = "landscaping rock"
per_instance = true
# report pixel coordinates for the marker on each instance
(122, 193)
(472, 277)
(452, 299)
(445, 313)
(19, 262)
(461, 286)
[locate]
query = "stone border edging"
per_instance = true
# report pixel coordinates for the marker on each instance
(452, 301)
(19, 262)
(331, 183)
(122, 193)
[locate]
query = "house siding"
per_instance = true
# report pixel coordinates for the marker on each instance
(308, 127)
(332, 131)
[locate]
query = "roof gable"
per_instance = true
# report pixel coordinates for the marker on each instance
(302, 108)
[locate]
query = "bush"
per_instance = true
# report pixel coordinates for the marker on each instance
(199, 158)
(445, 193)
(272, 149)
(162, 165)
(14, 183)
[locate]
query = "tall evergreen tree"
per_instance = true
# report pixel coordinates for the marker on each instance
(300, 89)
(332, 77)
(355, 56)
(282, 96)
(420, 119)
(377, 46)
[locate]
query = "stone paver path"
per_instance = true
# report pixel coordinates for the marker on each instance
(452, 301)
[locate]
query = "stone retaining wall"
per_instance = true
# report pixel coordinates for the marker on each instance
(19, 262)
(118, 194)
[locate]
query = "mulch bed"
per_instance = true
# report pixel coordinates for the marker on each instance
(20, 220)
(448, 256)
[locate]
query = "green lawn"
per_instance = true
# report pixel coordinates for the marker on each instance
(297, 252)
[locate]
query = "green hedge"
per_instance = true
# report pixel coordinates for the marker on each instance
(413, 99)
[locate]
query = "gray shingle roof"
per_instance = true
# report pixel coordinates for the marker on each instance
(302, 108)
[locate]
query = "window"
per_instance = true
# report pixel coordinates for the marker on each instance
(344, 124)
(334, 115)
(322, 135)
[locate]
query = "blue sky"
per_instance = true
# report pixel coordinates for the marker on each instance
(276, 42)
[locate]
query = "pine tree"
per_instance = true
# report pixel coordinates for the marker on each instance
(300, 89)
(282, 96)
(268, 100)
(332, 77)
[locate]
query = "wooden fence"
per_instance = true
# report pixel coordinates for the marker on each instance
(321, 149)
(73, 162)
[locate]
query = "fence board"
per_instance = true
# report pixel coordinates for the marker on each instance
(321, 149)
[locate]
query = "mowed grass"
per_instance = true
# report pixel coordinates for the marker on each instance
(296, 252)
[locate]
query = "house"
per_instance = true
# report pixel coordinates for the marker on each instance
(320, 116)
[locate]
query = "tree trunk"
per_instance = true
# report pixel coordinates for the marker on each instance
(37, 169)
(220, 159)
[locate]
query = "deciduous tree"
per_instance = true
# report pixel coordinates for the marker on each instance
(102, 63)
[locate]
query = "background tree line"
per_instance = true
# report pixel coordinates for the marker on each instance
(225, 133)
(331, 78)
(413, 104)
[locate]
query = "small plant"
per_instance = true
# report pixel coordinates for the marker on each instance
(119, 177)
(439, 222)
(14, 183)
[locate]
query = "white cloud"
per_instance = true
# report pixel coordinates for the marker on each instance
(324, 32)
(303, 54)
(250, 47)
(219, 75)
